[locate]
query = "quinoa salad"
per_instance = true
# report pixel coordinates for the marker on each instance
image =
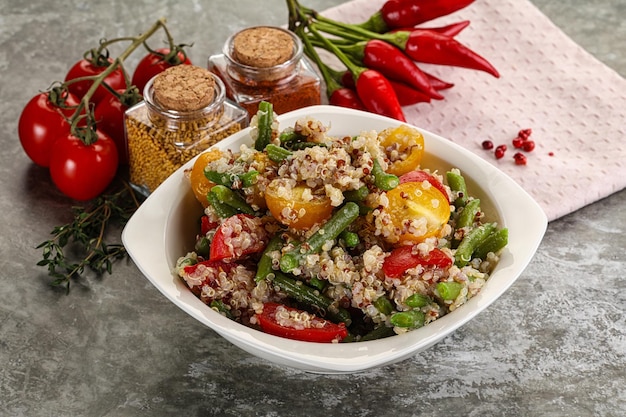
(323, 238)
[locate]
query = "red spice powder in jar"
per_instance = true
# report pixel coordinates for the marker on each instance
(266, 63)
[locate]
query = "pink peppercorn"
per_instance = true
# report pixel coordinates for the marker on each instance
(525, 133)
(518, 142)
(520, 158)
(500, 150)
(528, 145)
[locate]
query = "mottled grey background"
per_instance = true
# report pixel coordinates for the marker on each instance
(553, 345)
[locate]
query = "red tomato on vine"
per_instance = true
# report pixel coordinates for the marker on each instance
(109, 117)
(86, 68)
(41, 122)
(82, 171)
(156, 62)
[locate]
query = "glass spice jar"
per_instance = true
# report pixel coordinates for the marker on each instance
(267, 63)
(184, 112)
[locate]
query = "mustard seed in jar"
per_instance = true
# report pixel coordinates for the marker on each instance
(266, 63)
(184, 112)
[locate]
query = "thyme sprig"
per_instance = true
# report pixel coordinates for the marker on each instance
(86, 236)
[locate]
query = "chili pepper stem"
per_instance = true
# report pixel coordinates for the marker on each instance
(354, 69)
(329, 79)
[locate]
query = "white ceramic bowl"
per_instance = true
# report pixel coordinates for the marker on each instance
(165, 225)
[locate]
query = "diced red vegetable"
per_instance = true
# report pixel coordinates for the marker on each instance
(238, 236)
(403, 258)
(315, 330)
(419, 176)
(207, 225)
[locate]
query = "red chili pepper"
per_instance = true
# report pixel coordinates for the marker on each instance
(408, 95)
(347, 80)
(451, 30)
(407, 13)
(321, 331)
(438, 84)
(377, 95)
(346, 97)
(393, 64)
(435, 48)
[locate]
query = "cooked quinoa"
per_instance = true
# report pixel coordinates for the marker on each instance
(351, 278)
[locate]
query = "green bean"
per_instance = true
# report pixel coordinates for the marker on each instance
(223, 210)
(468, 214)
(220, 307)
(265, 119)
(303, 145)
(311, 297)
(350, 239)
(383, 180)
(227, 179)
(203, 246)
(357, 195)
(276, 153)
(248, 178)
(289, 136)
(411, 319)
(470, 242)
(329, 231)
(232, 199)
(379, 332)
(364, 210)
(384, 305)
(494, 243)
(184, 262)
(220, 178)
(457, 184)
(449, 290)
(417, 300)
(318, 284)
(264, 267)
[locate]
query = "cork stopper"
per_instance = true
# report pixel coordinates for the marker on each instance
(184, 88)
(262, 47)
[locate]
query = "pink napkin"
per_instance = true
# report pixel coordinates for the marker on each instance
(574, 104)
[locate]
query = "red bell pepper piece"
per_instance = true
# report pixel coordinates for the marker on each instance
(408, 95)
(346, 97)
(317, 330)
(206, 273)
(377, 94)
(393, 64)
(407, 13)
(402, 258)
(207, 225)
(238, 236)
(418, 176)
(434, 48)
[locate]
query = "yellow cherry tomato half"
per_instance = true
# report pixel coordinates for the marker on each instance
(296, 207)
(404, 145)
(199, 182)
(417, 210)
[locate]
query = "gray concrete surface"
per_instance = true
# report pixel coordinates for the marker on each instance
(553, 345)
